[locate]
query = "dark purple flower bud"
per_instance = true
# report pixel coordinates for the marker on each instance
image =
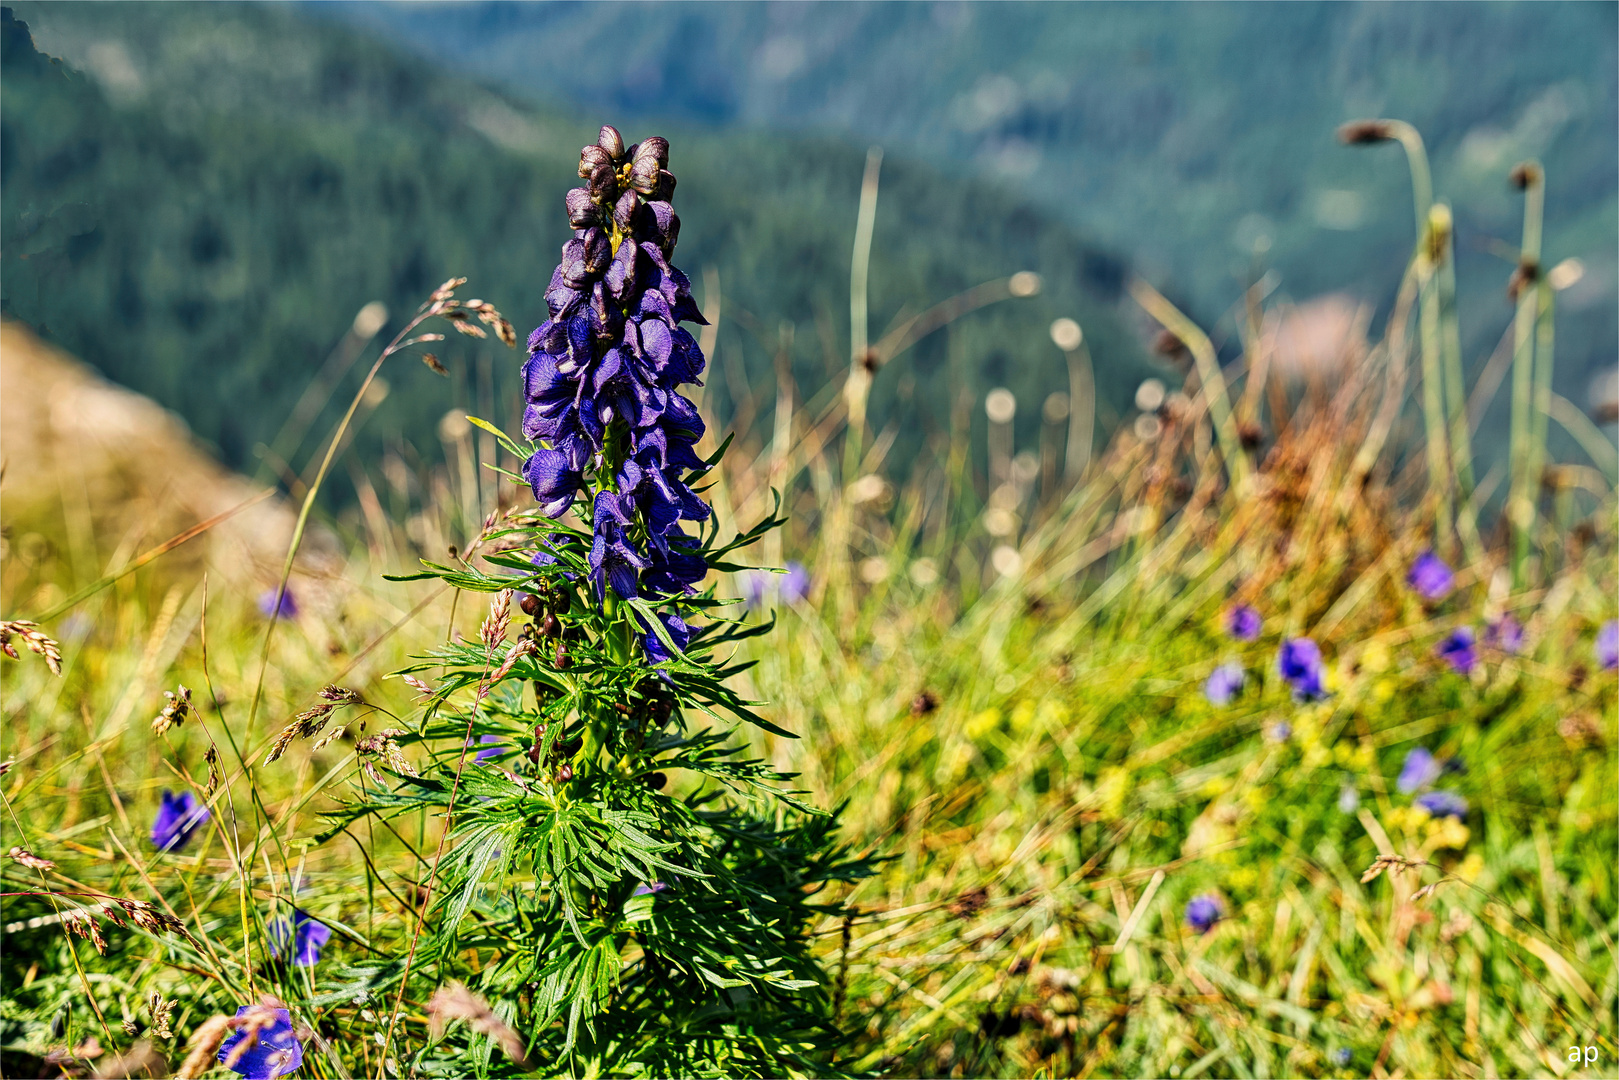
(611, 141)
(1607, 645)
(603, 184)
(1243, 623)
(1299, 662)
(644, 175)
(1443, 804)
(1458, 650)
(274, 606)
(624, 211)
(592, 158)
(1504, 634)
(582, 209)
(178, 817)
(664, 189)
(598, 251)
(303, 937)
(620, 277)
(1224, 683)
(1419, 771)
(655, 149)
(275, 1051)
(1203, 912)
(1431, 577)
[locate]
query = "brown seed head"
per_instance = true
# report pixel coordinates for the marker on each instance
(1524, 175)
(1363, 132)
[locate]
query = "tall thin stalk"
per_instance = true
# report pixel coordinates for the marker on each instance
(858, 388)
(1361, 132)
(1520, 499)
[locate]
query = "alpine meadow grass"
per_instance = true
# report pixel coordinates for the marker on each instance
(1263, 738)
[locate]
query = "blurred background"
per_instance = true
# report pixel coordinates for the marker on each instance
(198, 199)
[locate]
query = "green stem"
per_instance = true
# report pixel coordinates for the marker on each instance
(1433, 413)
(1520, 503)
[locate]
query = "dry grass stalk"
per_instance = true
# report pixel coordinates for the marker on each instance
(453, 1001)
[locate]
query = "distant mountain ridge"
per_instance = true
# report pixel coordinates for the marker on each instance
(1181, 135)
(201, 212)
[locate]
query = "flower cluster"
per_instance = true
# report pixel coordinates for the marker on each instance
(602, 376)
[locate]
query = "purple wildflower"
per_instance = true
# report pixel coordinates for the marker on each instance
(1431, 577)
(1299, 662)
(1243, 623)
(485, 755)
(1224, 683)
(1458, 650)
(1607, 646)
(1504, 634)
(1419, 771)
(274, 1052)
(1443, 804)
(287, 608)
(304, 937)
(651, 889)
(1203, 912)
(177, 819)
(795, 583)
(602, 380)
(1280, 732)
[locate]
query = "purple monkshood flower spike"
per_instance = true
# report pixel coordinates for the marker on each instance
(1607, 646)
(1430, 577)
(1203, 912)
(276, 1051)
(304, 937)
(1243, 623)
(1458, 650)
(1443, 804)
(1419, 771)
(1299, 662)
(603, 376)
(178, 817)
(1224, 683)
(286, 609)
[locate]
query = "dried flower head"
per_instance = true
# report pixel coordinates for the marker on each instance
(453, 1001)
(1364, 132)
(493, 631)
(382, 745)
(211, 757)
(162, 1013)
(175, 712)
(29, 859)
(311, 721)
(34, 639)
(1394, 864)
(1524, 175)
